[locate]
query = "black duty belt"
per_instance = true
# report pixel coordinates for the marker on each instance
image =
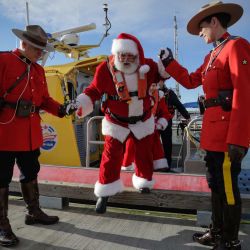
(117, 98)
(32, 109)
(212, 102)
(130, 120)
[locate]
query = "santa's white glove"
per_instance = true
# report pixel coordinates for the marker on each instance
(166, 56)
(161, 124)
(71, 107)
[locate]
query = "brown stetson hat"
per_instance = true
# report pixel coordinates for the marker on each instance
(234, 10)
(35, 36)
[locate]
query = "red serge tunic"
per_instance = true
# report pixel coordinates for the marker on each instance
(22, 133)
(230, 70)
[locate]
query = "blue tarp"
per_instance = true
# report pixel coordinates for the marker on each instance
(191, 105)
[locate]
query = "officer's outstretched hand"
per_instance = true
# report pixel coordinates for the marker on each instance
(166, 56)
(236, 153)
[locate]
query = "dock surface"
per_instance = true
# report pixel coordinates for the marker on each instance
(81, 228)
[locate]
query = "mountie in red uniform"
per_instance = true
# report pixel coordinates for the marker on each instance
(225, 133)
(34, 90)
(225, 68)
(127, 109)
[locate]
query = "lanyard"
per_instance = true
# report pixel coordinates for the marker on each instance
(213, 57)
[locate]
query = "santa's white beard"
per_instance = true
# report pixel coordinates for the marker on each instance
(126, 68)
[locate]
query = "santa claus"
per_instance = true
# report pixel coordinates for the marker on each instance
(123, 83)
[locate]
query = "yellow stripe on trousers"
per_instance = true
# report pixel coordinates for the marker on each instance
(228, 180)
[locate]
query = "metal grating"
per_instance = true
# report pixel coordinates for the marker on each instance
(244, 181)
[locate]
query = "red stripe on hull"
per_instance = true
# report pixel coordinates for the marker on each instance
(178, 182)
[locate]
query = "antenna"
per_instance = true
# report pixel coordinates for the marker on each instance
(176, 54)
(107, 23)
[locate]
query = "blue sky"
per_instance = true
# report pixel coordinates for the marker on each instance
(151, 21)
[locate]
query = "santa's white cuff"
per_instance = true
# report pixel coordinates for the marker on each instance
(139, 182)
(160, 163)
(103, 190)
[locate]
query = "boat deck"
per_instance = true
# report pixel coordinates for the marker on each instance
(81, 228)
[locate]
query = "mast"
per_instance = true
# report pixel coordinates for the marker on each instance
(176, 54)
(27, 14)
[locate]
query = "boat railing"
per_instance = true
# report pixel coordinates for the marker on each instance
(192, 126)
(194, 157)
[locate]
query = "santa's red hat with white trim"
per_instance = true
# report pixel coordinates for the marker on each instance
(126, 43)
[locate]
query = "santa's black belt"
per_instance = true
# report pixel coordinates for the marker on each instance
(212, 102)
(130, 120)
(117, 98)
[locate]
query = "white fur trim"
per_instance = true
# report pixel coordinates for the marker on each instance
(124, 46)
(129, 167)
(163, 122)
(139, 182)
(116, 131)
(102, 190)
(160, 163)
(86, 103)
(144, 69)
(135, 107)
(143, 129)
(162, 71)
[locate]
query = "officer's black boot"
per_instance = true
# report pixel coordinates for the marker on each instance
(35, 214)
(7, 237)
(232, 217)
(101, 205)
(228, 245)
(212, 236)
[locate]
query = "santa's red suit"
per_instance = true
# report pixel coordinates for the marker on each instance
(127, 109)
(162, 116)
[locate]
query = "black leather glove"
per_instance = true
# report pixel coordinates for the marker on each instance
(68, 108)
(236, 153)
(166, 56)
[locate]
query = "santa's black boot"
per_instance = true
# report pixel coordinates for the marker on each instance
(101, 205)
(144, 190)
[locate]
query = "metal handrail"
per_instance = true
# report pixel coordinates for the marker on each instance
(188, 128)
(91, 141)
